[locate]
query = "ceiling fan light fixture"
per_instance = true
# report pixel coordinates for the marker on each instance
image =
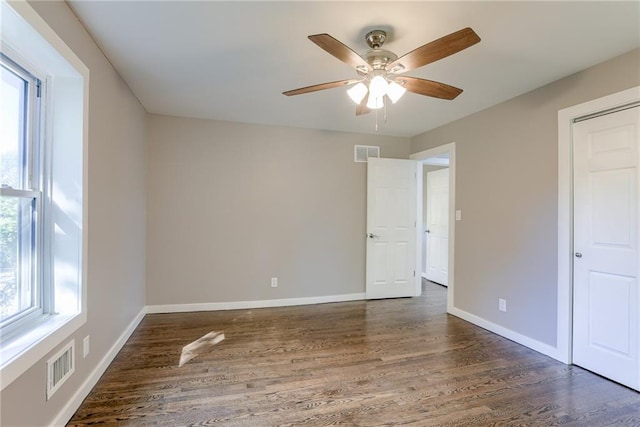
(378, 87)
(378, 69)
(358, 92)
(395, 91)
(375, 102)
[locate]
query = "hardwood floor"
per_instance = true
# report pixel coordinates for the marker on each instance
(386, 362)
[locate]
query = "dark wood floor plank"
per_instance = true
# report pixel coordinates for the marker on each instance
(388, 362)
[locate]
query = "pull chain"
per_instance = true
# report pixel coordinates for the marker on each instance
(376, 120)
(385, 112)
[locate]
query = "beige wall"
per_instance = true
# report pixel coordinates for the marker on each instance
(506, 187)
(232, 205)
(116, 225)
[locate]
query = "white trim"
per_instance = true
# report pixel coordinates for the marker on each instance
(418, 230)
(236, 305)
(565, 214)
(24, 43)
(436, 161)
(538, 346)
(420, 157)
(74, 403)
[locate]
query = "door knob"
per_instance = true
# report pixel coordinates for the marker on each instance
(427, 231)
(578, 255)
(371, 235)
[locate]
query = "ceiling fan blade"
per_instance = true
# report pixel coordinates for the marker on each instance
(321, 86)
(428, 87)
(340, 51)
(362, 107)
(434, 51)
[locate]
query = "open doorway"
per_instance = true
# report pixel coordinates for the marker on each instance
(436, 197)
(435, 219)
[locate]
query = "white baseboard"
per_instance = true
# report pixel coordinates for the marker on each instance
(74, 403)
(533, 344)
(424, 276)
(235, 305)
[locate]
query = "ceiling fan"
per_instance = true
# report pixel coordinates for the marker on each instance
(381, 71)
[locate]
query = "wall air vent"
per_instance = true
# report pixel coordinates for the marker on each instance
(362, 152)
(60, 367)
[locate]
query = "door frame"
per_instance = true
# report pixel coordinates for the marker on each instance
(564, 349)
(421, 156)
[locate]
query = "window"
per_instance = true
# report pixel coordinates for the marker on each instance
(44, 108)
(21, 280)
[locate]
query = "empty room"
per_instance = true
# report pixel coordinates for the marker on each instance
(265, 213)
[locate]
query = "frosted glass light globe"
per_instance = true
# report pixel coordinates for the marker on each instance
(395, 91)
(378, 87)
(358, 92)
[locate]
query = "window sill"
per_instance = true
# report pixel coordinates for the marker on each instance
(21, 353)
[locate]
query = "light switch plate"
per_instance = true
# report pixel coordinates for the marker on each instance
(458, 215)
(85, 347)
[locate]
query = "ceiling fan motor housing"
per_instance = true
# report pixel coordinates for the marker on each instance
(377, 57)
(375, 39)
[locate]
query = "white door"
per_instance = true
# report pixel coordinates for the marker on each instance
(606, 332)
(391, 228)
(437, 226)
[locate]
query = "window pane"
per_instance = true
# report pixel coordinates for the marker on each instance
(17, 237)
(13, 95)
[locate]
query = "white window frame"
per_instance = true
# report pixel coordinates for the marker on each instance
(64, 185)
(33, 177)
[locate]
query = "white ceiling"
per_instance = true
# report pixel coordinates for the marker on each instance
(232, 60)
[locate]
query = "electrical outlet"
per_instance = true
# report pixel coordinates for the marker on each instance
(85, 347)
(502, 304)
(274, 282)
